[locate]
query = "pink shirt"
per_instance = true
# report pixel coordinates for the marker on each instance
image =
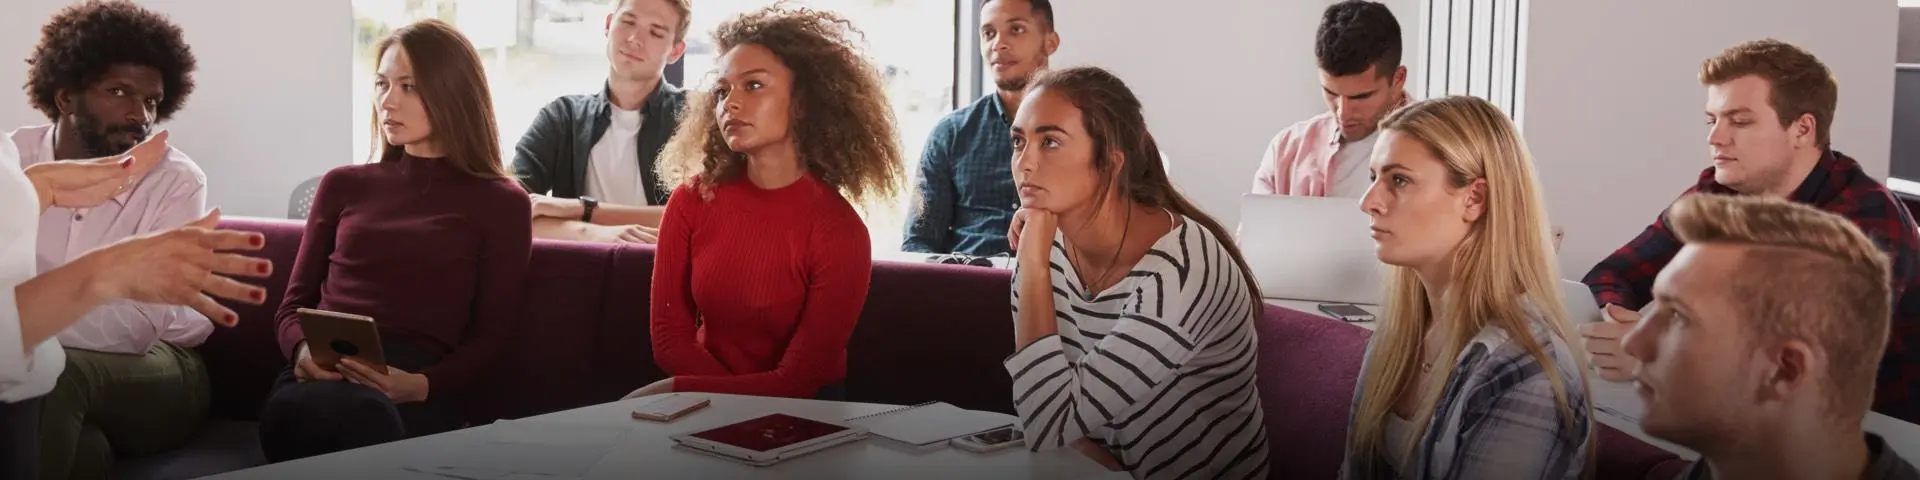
(1300, 159)
(173, 194)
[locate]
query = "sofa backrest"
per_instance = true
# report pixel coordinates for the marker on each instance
(927, 333)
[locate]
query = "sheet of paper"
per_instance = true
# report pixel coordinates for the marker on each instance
(928, 424)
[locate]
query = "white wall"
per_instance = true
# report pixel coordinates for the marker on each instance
(1612, 109)
(1218, 81)
(270, 105)
(1613, 106)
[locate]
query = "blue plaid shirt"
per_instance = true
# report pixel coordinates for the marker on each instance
(966, 184)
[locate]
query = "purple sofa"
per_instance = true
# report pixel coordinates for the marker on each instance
(928, 332)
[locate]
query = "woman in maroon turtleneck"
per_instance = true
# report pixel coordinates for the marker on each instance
(763, 263)
(431, 241)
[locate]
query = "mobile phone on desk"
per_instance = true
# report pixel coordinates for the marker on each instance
(991, 440)
(669, 408)
(1346, 312)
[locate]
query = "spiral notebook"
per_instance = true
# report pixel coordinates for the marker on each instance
(928, 424)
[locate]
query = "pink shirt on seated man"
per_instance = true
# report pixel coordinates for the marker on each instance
(1362, 80)
(171, 195)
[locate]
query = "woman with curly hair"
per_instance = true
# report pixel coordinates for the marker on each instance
(763, 263)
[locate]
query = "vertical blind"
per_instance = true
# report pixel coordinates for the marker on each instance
(1473, 47)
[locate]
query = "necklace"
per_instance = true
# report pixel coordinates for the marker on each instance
(1111, 260)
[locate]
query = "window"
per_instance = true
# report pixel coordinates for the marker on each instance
(1474, 47)
(536, 50)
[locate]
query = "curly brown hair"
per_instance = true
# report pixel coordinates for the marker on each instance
(843, 126)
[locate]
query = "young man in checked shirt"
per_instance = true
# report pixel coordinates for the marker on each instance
(965, 184)
(1770, 113)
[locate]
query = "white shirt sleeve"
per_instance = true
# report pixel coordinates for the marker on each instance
(23, 374)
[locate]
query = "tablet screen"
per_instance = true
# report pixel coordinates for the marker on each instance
(770, 432)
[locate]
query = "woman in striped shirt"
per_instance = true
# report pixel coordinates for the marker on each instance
(1133, 311)
(1470, 375)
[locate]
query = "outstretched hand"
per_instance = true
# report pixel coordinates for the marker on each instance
(87, 183)
(182, 266)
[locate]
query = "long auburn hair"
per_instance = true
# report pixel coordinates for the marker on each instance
(1116, 121)
(842, 124)
(1503, 272)
(452, 86)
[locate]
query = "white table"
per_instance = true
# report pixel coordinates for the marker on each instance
(1617, 406)
(646, 452)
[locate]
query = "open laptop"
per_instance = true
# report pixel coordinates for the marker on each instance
(1310, 248)
(1578, 300)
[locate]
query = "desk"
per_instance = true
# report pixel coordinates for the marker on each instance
(646, 452)
(1616, 405)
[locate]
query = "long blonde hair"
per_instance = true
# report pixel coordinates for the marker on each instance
(1502, 266)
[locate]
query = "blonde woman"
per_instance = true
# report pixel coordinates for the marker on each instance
(1470, 374)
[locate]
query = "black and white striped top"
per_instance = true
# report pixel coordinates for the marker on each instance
(1159, 368)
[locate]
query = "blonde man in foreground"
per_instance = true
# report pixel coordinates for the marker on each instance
(1760, 347)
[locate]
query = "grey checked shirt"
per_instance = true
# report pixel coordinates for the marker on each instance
(1496, 418)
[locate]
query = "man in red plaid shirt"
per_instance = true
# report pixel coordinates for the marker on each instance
(1770, 113)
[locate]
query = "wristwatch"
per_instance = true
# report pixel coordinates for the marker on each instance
(588, 204)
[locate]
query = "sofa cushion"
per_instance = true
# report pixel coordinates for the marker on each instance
(552, 365)
(623, 337)
(932, 332)
(242, 361)
(1307, 369)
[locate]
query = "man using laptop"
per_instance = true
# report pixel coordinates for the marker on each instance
(1361, 77)
(966, 191)
(1770, 113)
(588, 159)
(1760, 345)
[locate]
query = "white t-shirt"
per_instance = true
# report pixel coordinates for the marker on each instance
(23, 374)
(1398, 438)
(1349, 169)
(613, 167)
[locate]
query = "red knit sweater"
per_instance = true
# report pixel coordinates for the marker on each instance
(756, 291)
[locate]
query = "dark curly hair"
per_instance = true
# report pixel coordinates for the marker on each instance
(85, 39)
(1356, 34)
(843, 126)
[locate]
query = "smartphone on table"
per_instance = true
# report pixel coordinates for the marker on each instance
(991, 440)
(670, 407)
(1346, 312)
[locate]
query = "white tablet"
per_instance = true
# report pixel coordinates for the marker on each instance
(769, 439)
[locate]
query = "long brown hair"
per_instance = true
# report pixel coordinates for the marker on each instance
(453, 88)
(1113, 116)
(843, 127)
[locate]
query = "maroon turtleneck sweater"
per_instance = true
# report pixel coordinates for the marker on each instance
(437, 257)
